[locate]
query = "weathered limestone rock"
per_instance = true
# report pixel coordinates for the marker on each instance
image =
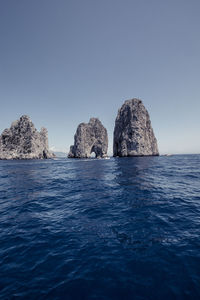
(23, 141)
(133, 134)
(90, 137)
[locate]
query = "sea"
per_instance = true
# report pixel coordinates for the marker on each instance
(95, 229)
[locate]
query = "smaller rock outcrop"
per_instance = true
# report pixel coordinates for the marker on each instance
(23, 141)
(90, 137)
(133, 133)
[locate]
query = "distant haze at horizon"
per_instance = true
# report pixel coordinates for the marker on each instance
(64, 62)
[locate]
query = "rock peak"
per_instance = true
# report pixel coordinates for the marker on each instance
(25, 118)
(133, 133)
(133, 101)
(90, 137)
(94, 120)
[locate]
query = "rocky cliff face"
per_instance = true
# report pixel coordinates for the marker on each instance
(23, 141)
(133, 134)
(90, 137)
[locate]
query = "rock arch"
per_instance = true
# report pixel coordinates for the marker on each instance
(90, 137)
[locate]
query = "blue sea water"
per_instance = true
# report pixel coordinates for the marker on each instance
(124, 228)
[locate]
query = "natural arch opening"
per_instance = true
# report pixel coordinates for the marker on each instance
(93, 155)
(97, 150)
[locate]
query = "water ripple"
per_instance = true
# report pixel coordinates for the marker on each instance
(100, 229)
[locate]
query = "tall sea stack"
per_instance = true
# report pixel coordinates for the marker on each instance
(90, 137)
(133, 134)
(23, 141)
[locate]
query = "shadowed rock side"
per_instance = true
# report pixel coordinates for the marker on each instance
(133, 134)
(23, 141)
(90, 137)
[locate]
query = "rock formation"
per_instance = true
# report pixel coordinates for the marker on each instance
(23, 141)
(133, 134)
(90, 137)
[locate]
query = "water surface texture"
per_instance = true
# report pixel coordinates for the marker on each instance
(124, 228)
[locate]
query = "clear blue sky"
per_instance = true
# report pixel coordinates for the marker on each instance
(64, 61)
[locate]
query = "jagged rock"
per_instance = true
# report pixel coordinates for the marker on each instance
(90, 137)
(23, 141)
(133, 134)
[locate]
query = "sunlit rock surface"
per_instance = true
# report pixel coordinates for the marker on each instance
(133, 133)
(90, 137)
(23, 141)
